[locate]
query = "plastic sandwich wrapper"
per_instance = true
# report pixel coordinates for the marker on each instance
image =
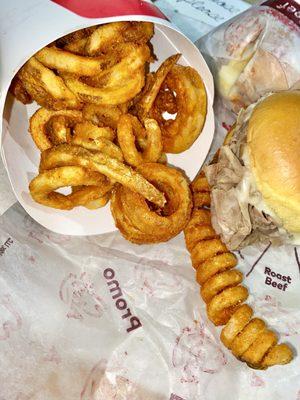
(97, 318)
(255, 53)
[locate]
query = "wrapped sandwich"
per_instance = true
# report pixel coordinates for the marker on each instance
(255, 177)
(255, 53)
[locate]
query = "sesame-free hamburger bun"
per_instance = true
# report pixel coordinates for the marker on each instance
(255, 178)
(273, 140)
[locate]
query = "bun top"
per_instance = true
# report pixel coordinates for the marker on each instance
(274, 150)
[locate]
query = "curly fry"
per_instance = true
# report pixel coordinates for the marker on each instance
(219, 282)
(48, 127)
(73, 155)
(236, 324)
(129, 128)
(88, 130)
(248, 338)
(47, 88)
(279, 354)
(17, 89)
(43, 187)
(65, 61)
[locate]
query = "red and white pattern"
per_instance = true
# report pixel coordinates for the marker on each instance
(109, 8)
(78, 292)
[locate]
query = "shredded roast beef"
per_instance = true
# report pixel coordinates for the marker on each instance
(234, 216)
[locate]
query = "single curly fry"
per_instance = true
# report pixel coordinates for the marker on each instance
(247, 337)
(129, 130)
(46, 88)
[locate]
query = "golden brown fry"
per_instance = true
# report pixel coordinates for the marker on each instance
(103, 39)
(177, 90)
(139, 32)
(236, 324)
(102, 144)
(163, 159)
(255, 353)
(88, 130)
(141, 223)
(75, 36)
(104, 115)
(93, 197)
(201, 199)
(114, 95)
(99, 202)
(191, 100)
(219, 282)
(46, 88)
(48, 127)
(76, 46)
(279, 354)
(214, 265)
(249, 334)
(43, 187)
(129, 129)
(17, 89)
(65, 61)
(59, 130)
(200, 217)
(72, 155)
(206, 249)
(107, 36)
(91, 137)
(200, 184)
(125, 226)
(166, 100)
(196, 233)
(119, 82)
(223, 305)
(248, 338)
(145, 103)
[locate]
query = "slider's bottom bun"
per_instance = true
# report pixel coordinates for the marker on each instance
(274, 149)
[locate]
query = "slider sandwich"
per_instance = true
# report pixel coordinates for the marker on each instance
(255, 178)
